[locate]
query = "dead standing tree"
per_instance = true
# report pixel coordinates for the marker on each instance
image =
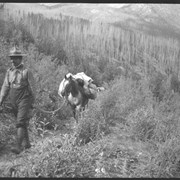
(1, 5)
(174, 83)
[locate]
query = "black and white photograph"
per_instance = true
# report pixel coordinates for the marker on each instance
(89, 90)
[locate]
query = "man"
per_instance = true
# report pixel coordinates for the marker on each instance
(90, 88)
(19, 84)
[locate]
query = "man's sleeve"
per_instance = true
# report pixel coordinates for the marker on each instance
(32, 85)
(5, 88)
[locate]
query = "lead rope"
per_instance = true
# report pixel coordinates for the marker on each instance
(50, 112)
(42, 110)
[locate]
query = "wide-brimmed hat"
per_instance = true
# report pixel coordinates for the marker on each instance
(16, 52)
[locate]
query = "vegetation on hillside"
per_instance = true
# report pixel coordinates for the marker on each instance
(130, 130)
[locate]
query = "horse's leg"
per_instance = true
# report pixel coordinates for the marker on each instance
(78, 110)
(85, 104)
(82, 112)
(75, 115)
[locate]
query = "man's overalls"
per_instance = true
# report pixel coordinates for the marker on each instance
(21, 99)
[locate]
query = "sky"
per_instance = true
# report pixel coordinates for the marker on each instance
(108, 4)
(116, 5)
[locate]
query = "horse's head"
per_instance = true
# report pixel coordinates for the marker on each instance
(70, 85)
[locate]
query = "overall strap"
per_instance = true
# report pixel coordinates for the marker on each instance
(25, 73)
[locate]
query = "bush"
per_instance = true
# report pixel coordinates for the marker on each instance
(7, 127)
(58, 158)
(110, 72)
(92, 125)
(156, 84)
(7, 130)
(142, 124)
(121, 99)
(165, 163)
(167, 118)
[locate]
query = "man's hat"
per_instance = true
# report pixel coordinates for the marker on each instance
(16, 52)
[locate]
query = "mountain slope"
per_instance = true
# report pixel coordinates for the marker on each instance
(154, 19)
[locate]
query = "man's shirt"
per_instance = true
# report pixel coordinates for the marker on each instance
(18, 78)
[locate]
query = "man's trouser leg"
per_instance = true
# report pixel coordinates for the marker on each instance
(27, 144)
(20, 136)
(22, 124)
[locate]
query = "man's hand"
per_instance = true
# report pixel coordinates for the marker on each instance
(33, 103)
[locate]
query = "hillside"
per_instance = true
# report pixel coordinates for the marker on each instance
(132, 128)
(154, 19)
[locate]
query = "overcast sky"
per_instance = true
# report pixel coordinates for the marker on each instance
(115, 5)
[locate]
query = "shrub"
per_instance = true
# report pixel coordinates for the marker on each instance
(58, 158)
(156, 85)
(165, 163)
(7, 129)
(142, 124)
(110, 72)
(167, 118)
(91, 126)
(122, 98)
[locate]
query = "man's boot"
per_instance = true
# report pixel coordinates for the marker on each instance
(27, 144)
(20, 136)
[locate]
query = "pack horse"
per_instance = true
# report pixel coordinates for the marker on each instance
(76, 93)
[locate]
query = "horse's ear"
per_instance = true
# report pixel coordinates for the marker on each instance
(65, 77)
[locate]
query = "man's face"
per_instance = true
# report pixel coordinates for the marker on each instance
(16, 60)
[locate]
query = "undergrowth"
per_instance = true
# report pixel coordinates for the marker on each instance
(146, 143)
